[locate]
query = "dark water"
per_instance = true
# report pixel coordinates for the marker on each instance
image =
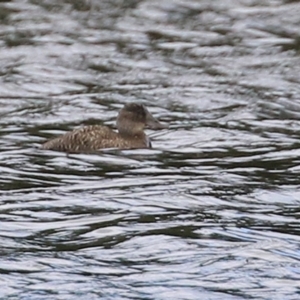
(212, 212)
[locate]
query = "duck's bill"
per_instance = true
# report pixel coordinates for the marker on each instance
(152, 123)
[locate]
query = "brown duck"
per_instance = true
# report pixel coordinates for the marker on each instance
(131, 121)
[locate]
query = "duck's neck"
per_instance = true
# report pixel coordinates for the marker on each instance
(129, 129)
(129, 134)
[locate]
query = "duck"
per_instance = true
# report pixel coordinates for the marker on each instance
(132, 119)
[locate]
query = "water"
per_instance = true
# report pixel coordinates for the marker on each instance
(212, 212)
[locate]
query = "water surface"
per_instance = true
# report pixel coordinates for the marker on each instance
(212, 211)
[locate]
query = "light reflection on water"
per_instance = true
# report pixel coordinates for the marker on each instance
(212, 211)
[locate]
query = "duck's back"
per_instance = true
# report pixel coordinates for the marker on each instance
(93, 138)
(88, 138)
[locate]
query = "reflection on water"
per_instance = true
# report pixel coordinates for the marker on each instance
(211, 212)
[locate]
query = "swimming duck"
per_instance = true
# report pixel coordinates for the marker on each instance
(131, 121)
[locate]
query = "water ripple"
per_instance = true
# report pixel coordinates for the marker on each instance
(212, 211)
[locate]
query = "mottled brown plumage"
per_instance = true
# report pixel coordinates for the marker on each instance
(131, 121)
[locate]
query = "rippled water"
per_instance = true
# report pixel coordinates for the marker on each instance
(212, 212)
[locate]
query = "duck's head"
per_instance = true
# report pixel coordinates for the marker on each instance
(134, 117)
